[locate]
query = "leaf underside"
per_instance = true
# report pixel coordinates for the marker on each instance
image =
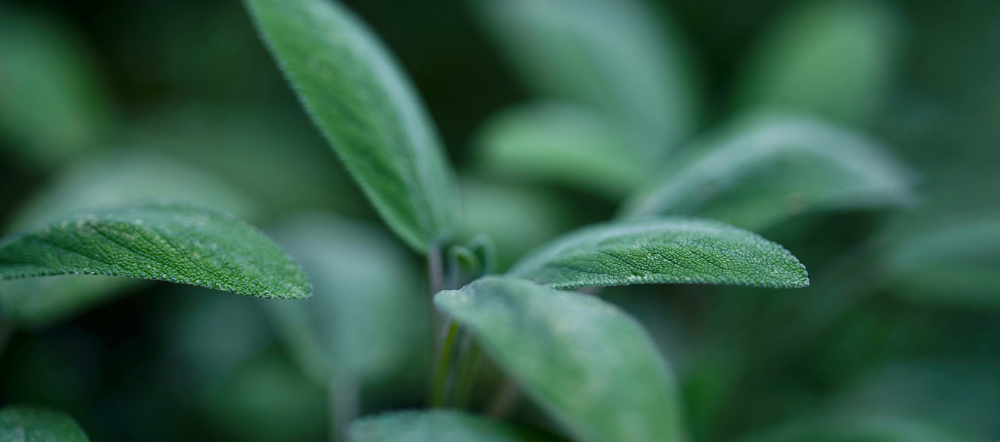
(661, 250)
(160, 241)
(588, 364)
(767, 167)
(367, 109)
(31, 424)
(438, 426)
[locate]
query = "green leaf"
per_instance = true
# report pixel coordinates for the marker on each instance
(367, 109)
(765, 168)
(114, 179)
(366, 318)
(563, 144)
(616, 55)
(438, 426)
(951, 263)
(52, 106)
(588, 364)
(833, 58)
(661, 250)
(868, 428)
(29, 424)
(161, 241)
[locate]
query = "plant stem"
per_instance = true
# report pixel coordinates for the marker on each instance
(345, 402)
(468, 368)
(446, 344)
(504, 399)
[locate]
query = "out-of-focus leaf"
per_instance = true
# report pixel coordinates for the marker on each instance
(366, 107)
(590, 365)
(612, 54)
(52, 107)
(564, 144)
(438, 426)
(662, 250)
(275, 156)
(366, 318)
(109, 180)
(957, 263)
(764, 169)
(833, 58)
(29, 424)
(267, 399)
(517, 218)
(868, 428)
(161, 241)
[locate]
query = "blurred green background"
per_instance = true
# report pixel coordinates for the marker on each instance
(107, 100)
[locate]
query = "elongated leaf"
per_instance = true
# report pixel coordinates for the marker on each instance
(612, 54)
(366, 319)
(860, 428)
(587, 363)
(563, 144)
(366, 107)
(162, 241)
(29, 424)
(51, 104)
(764, 169)
(661, 250)
(114, 179)
(833, 58)
(953, 263)
(438, 426)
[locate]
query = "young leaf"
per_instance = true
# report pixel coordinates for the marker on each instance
(366, 318)
(366, 108)
(438, 426)
(584, 361)
(832, 58)
(114, 179)
(615, 55)
(765, 168)
(953, 263)
(866, 428)
(563, 144)
(31, 424)
(661, 250)
(52, 107)
(160, 241)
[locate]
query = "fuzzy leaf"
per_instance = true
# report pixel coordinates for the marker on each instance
(438, 426)
(366, 319)
(869, 428)
(114, 179)
(588, 364)
(366, 107)
(661, 250)
(616, 55)
(563, 144)
(766, 168)
(29, 424)
(832, 58)
(161, 241)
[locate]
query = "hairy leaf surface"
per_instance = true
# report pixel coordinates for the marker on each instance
(616, 55)
(766, 168)
(832, 58)
(366, 107)
(661, 250)
(162, 241)
(591, 366)
(438, 426)
(29, 424)
(564, 144)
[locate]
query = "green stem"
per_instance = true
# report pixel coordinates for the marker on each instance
(446, 344)
(468, 369)
(345, 402)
